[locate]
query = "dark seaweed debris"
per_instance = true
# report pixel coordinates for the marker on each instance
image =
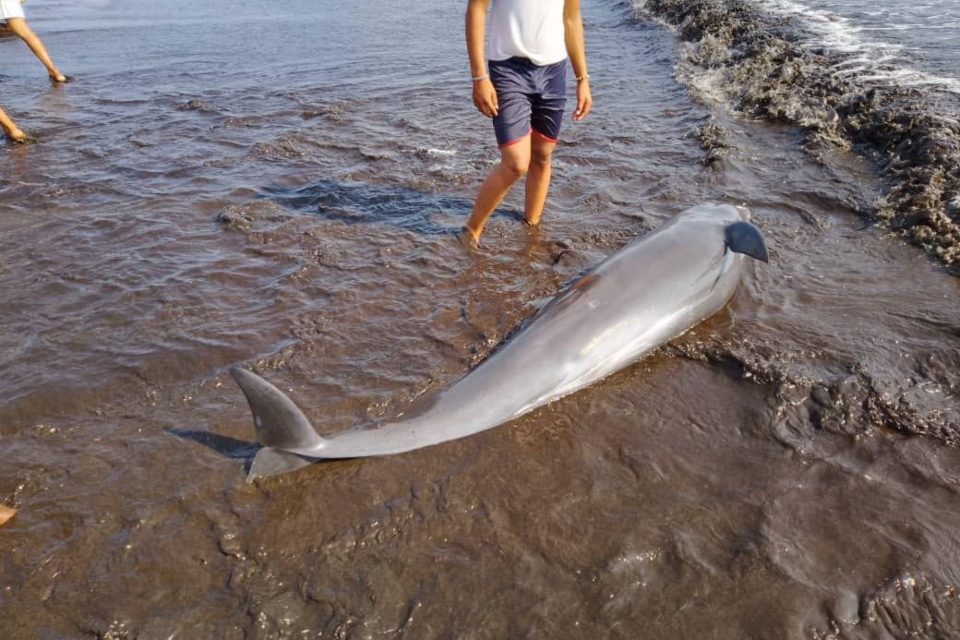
(909, 606)
(768, 73)
(713, 139)
(847, 402)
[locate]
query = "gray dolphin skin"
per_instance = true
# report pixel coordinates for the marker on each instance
(652, 290)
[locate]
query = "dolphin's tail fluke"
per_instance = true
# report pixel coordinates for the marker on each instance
(273, 462)
(743, 237)
(279, 422)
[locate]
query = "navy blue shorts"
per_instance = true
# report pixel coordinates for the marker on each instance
(531, 97)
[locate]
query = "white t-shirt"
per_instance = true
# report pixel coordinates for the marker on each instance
(10, 9)
(528, 28)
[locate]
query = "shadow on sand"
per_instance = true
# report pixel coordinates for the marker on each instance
(227, 447)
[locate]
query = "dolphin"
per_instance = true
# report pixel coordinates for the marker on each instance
(649, 292)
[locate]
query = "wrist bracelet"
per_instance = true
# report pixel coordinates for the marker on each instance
(479, 78)
(585, 76)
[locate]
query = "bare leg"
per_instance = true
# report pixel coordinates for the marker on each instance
(538, 180)
(6, 513)
(10, 128)
(22, 30)
(514, 162)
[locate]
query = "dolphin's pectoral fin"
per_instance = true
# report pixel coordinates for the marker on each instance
(279, 422)
(743, 237)
(271, 462)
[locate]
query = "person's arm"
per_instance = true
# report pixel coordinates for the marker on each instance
(484, 95)
(573, 37)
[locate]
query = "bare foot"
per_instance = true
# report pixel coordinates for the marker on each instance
(5, 514)
(60, 78)
(19, 137)
(467, 239)
(16, 135)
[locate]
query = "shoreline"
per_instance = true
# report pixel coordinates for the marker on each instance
(766, 72)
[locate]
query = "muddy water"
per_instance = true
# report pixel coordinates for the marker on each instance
(223, 187)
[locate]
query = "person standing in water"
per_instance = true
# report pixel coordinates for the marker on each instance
(12, 13)
(523, 89)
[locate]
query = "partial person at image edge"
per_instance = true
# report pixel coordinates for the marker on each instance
(12, 13)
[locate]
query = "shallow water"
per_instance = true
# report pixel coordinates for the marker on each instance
(280, 191)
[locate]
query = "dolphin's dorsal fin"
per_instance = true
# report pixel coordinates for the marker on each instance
(279, 422)
(743, 237)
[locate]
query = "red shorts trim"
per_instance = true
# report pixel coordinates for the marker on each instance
(545, 137)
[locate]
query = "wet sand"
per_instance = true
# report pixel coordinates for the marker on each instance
(263, 191)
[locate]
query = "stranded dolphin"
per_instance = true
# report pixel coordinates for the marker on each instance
(647, 293)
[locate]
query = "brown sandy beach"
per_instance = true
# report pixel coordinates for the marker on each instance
(223, 188)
